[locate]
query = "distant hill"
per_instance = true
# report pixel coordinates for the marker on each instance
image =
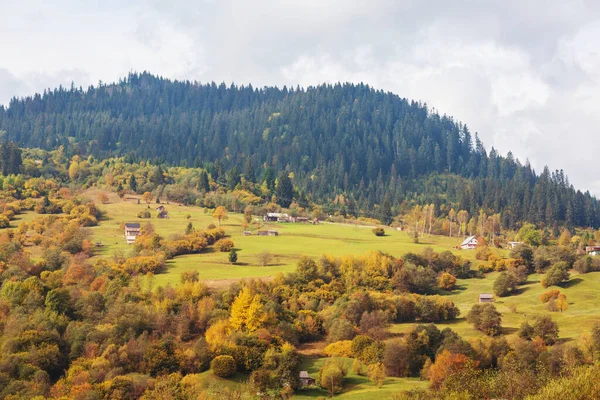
(349, 146)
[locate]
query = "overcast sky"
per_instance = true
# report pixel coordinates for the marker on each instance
(525, 75)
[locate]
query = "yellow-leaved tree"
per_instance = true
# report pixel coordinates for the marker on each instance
(247, 312)
(220, 214)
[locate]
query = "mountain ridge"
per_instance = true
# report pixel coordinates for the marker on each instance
(367, 145)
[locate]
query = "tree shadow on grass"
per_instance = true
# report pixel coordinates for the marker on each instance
(520, 290)
(507, 331)
(571, 283)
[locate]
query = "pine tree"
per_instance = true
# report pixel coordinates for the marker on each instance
(385, 212)
(132, 183)
(203, 184)
(284, 190)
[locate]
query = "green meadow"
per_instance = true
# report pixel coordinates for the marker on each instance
(294, 241)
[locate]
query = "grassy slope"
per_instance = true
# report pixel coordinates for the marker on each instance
(356, 387)
(582, 293)
(294, 240)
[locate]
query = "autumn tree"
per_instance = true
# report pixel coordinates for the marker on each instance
(376, 374)
(331, 376)
(103, 198)
(147, 197)
(561, 302)
(485, 318)
(220, 214)
(445, 365)
(247, 312)
(446, 281)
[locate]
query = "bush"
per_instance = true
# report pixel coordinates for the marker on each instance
(379, 231)
(4, 222)
(144, 214)
(224, 245)
(548, 295)
(223, 366)
(483, 253)
(447, 281)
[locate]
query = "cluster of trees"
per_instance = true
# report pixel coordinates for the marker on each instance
(396, 151)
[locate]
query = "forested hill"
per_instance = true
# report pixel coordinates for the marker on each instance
(369, 146)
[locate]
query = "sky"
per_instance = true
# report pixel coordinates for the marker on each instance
(525, 75)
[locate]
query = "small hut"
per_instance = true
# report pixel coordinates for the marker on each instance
(486, 298)
(306, 380)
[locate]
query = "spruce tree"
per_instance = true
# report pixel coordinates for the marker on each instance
(284, 190)
(132, 183)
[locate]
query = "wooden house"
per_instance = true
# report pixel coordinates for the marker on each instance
(276, 217)
(486, 298)
(306, 380)
(592, 250)
(247, 233)
(160, 208)
(273, 233)
(263, 233)
(132, 230)
(512, 245)
(469, 243)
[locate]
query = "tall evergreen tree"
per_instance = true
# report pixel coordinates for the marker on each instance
(284, 190)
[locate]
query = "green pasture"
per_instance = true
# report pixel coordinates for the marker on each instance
(294, 241)
(583, 296)
(356, 387)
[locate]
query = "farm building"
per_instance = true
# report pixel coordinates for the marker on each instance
(306, 380)
(276, 217)
(512, 245)
(469, 243)
(268, 233)
(486, 298)
(132, 230)
(592, 250)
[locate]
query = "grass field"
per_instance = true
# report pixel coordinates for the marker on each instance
(582, 292)
(294, 241)
(356, 387)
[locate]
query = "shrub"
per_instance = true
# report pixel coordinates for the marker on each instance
(4, 222)
(447, 281)
(549, 295)
(379, 231)
(483, 253)
(144, 214)
(224, 245)
(264, 258)
(223, 366)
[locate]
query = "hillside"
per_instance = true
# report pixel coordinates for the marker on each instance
(368, 146)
